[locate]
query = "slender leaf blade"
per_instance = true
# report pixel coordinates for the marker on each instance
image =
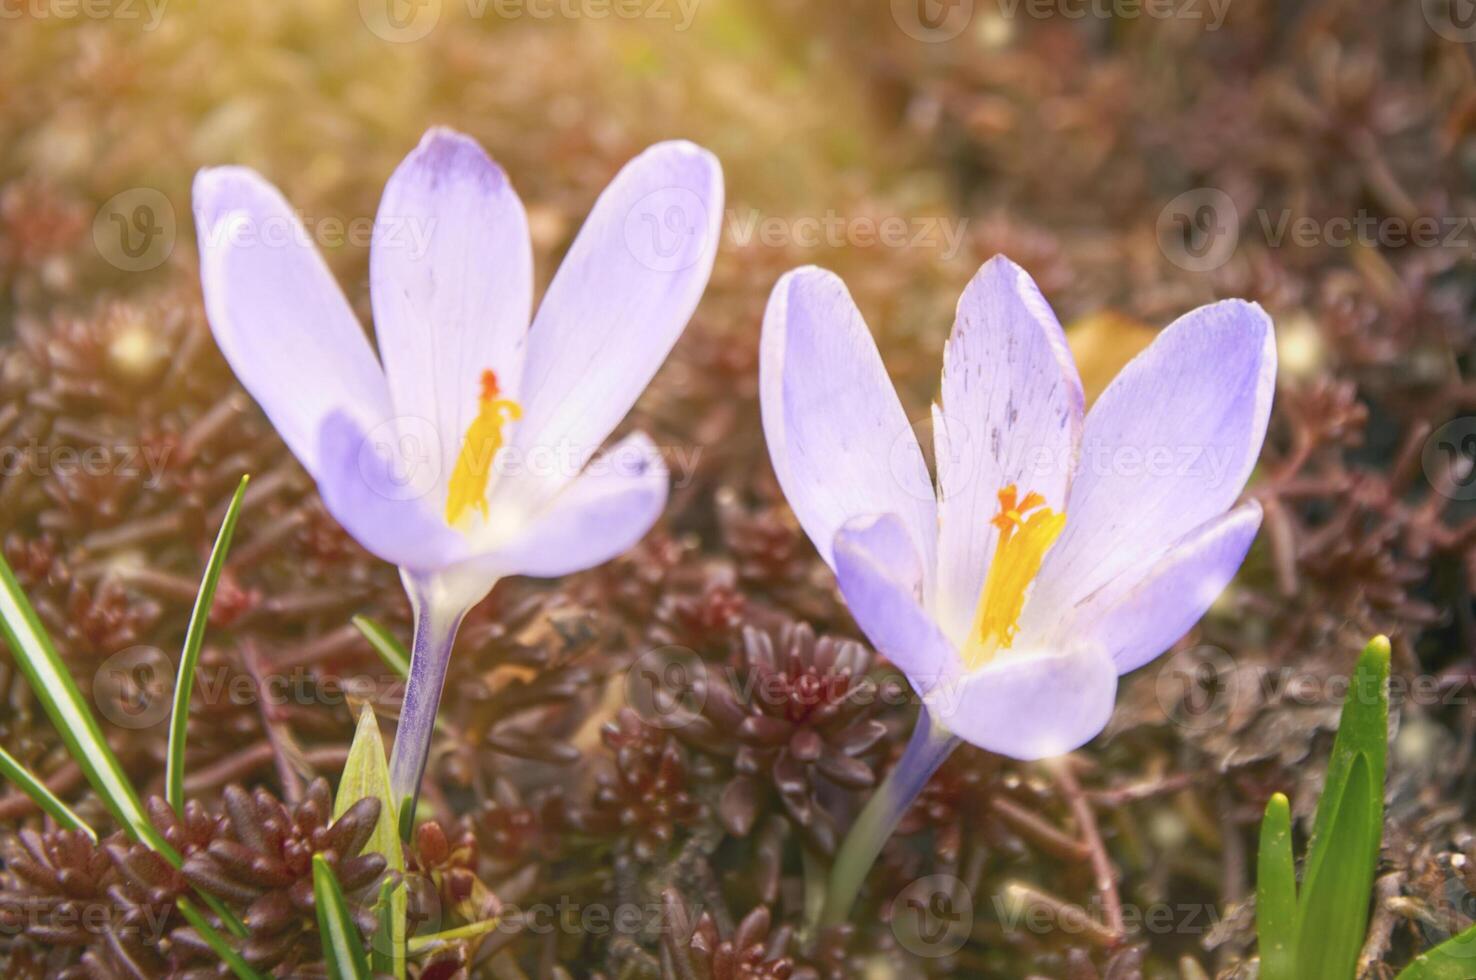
(390, 650)
(69, 714)
(33, 787)
(1332, 913)
(366, 774)
(189, 657)
(216, 942)
(343, 953)
(1276, 893)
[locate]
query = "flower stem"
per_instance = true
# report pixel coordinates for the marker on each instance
(929, 747)
(436, 623)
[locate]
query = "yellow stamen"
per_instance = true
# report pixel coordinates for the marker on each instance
(468, 486)
(1027, 529)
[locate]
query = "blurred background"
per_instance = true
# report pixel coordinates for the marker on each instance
(1138, 157)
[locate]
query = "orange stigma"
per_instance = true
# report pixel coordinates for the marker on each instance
(473, 471)
(1027, 529)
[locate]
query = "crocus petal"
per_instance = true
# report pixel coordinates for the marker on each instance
(598, 516)
(1167, 447)
(277, 314)
(881, 577)
(1011, 414)
(364, 487)
(626, 288)
(451, 278)
(838, 438)
(1031, 706)
(1137, 623)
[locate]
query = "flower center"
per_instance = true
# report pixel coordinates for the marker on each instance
(468, 486)
(1027, 529)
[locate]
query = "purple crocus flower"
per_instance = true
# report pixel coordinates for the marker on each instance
(465, 451)
(1058, 548)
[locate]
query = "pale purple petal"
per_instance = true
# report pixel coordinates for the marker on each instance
(598, 516)
(451, 278)
(1137, 620)
(622, 296)
(881, 577)
(1167, 447)
(1031, 706)
(277, 314)
(364, 487)
(1011, 414)
(839, 440)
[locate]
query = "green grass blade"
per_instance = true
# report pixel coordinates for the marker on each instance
(343, 953)
(1332, 912)
(27, 783)
(189, 657)
(217, 942)
(390, 650)
(69, 714)
(1454, 959)
(1276, 893)
(366, 774)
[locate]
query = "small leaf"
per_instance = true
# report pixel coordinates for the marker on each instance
(343, 951)
(390, 650)
(366, 774)
(189, 657)
(1332, 913)
(1454, 959)
(429, 944)
(217, 942)
(1276, 893)
(27, 783)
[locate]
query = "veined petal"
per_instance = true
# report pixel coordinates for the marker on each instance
(277, 314)
(1167, 447)
(1137, 619)
(881, 577)
(451, 279)
(839, 440)
(601, 514)
(1011, 414)
(1031, 705)
(625, 291)
(365, 488)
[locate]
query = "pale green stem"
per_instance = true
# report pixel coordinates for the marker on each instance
(929, 747)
